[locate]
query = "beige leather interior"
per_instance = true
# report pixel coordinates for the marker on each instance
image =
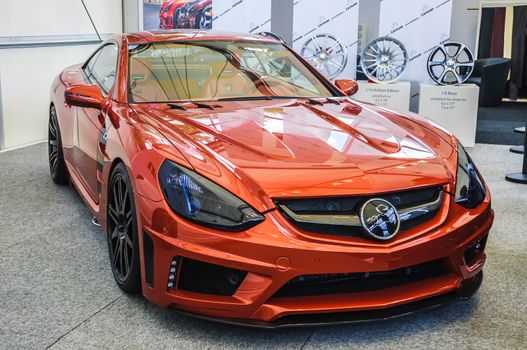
(167, 81)
(229, 83)
(144, 86)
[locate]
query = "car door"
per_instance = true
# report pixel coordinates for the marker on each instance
(100, 70)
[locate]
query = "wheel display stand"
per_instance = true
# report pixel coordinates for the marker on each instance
(393, 95)
(454, 107)
(518, 149)
(520, 178)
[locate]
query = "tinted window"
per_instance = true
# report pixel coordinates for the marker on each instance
(102, 67)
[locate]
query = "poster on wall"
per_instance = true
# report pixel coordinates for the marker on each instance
(327, 35)
(177, 14)
(420, 25)
(246, 16)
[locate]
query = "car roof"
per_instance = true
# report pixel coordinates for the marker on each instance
(191, 34)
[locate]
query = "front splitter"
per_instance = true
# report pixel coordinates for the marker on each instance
(343, 318)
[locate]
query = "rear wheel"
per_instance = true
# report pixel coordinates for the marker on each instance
(57, 167)
(123, 244)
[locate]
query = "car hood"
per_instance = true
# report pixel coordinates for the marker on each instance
(298, 148)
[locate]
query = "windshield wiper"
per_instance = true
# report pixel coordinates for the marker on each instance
(246, 98)
(189, 105)
(257, 98)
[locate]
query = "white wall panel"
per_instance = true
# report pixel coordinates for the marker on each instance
(57, 17)
(420, 25)
(26, 75)
(339, 18)
(246, 16)
(465, 22)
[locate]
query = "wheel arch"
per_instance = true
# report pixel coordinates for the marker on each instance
(114, 163)
(52, 105)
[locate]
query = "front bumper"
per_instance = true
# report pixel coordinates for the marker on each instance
(470, 287)
(165, 21)
(273, 254)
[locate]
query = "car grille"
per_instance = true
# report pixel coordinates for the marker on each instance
(340, 215)
(312, 285)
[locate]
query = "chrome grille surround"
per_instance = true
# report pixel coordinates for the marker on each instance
(349, 216)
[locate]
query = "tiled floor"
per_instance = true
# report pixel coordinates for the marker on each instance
(56, 288)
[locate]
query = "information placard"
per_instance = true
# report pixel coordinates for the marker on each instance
(453, 107)
(396, 95)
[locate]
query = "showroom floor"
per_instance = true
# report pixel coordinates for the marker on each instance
(56, 288)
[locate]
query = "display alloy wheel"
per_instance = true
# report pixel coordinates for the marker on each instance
(57, 166)
(384, 60)
(205, 18)
(326, 53)
(123, 243)
(450, 63)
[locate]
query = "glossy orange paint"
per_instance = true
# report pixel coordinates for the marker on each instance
(348, 87)
(86, 96)
(262, 151)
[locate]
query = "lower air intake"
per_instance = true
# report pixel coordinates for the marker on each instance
(312, 285)
(200, 277)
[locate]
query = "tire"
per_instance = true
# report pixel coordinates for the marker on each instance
(122, 236)
(57, 166)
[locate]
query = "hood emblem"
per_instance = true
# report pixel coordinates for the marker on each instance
(380, 219)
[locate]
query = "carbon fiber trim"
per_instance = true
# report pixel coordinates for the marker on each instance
(341, 318)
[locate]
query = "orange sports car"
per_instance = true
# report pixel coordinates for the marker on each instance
(235, 182)
(170, 12)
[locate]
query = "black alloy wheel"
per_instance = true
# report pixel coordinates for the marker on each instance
(122, 235)
(204, 20)
(57, 167)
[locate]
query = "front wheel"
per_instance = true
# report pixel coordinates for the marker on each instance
(123, 244)
(205, 19)
(175, 19)
(57, 166)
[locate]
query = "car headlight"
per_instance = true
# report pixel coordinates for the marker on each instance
(470, 191)
(202, 201)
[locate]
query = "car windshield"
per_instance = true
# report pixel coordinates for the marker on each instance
(218, 70)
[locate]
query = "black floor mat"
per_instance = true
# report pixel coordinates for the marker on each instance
(496, 124)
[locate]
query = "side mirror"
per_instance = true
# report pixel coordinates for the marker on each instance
(348, 87)
(89, 96)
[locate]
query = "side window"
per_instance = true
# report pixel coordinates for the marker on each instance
(101, 69)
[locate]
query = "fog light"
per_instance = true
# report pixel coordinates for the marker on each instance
(473, 253)
(234, 280)
(205, 278)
